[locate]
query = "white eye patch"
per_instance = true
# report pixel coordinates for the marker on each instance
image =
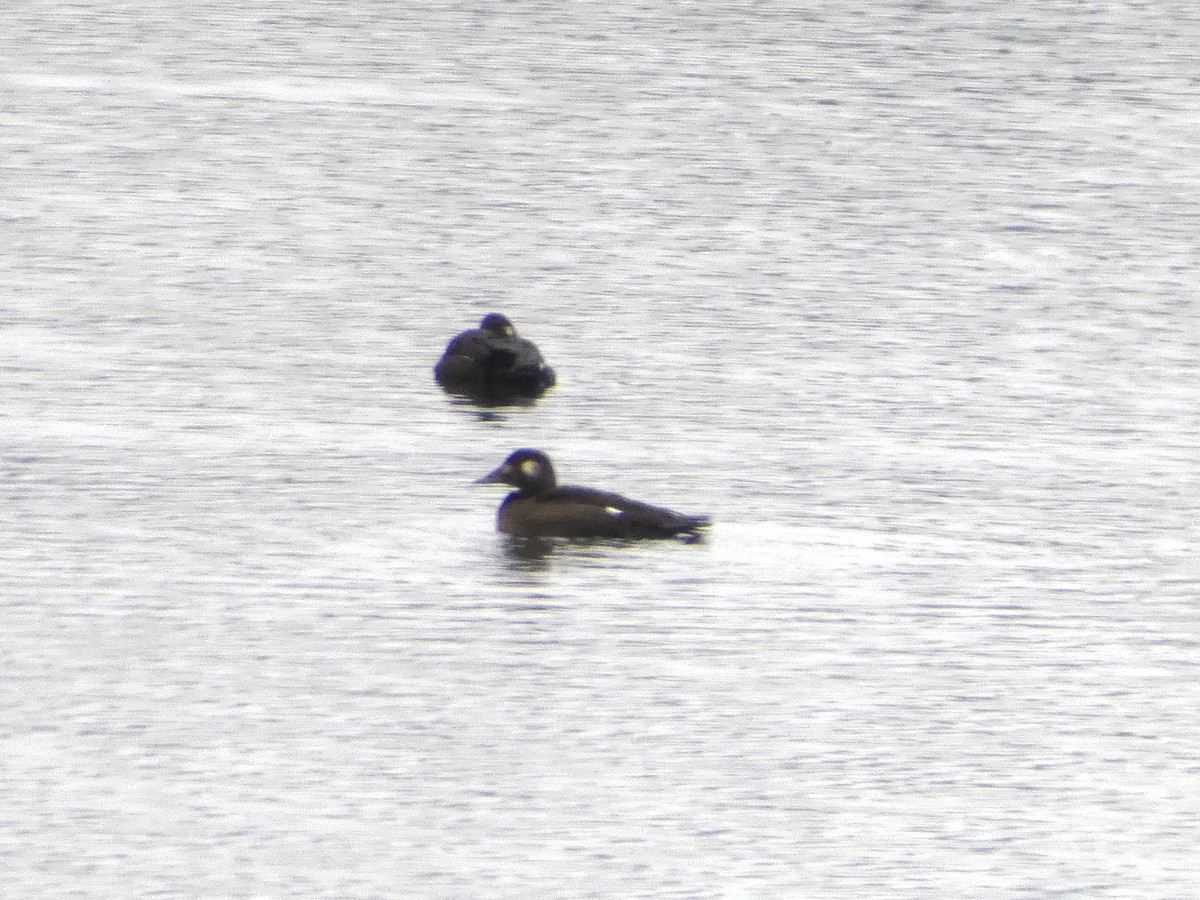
(531, 467)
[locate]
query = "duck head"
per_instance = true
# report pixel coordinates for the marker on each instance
(497, 325)
(526, 470)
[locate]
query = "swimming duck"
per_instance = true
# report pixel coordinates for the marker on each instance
(493, 361)
(541, 507)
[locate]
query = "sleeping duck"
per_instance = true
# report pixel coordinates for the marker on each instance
(493, 362)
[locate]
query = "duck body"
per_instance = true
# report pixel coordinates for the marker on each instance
(540, 507)
(493, 361)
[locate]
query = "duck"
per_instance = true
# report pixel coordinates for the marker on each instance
(541, 507)
(493, 361)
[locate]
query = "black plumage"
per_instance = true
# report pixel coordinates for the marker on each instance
(540, 507)
(494, 362)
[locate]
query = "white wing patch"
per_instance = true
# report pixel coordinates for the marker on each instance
(613, 511)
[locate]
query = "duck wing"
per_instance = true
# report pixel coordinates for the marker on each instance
(587, 512)
(475, 355)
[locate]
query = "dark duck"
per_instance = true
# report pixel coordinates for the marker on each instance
(541, 507)
(494, 362)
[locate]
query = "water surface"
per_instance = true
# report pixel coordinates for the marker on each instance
(904, 296)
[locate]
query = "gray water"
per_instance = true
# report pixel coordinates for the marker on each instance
(904, 295)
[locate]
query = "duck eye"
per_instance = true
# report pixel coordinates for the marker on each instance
(531, 468)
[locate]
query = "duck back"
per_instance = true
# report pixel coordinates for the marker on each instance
(570, 511)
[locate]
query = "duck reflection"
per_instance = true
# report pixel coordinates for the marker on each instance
(530, 549)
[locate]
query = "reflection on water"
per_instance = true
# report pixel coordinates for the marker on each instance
(528, 556)
(490, 408)
(536, 554)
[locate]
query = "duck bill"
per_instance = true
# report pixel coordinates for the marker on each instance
(496, 477)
